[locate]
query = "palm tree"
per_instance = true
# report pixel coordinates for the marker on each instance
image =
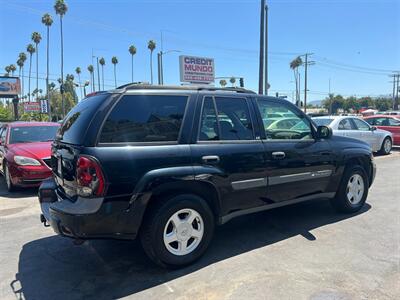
(47, 20)
(61, 9)
(294, 65)
(12, 69)
(31, 49)
(20, 65)
(22, 58)
(91, 70)
(223, 82)
(232, 80)
(36, 38)
(114, 61)
(78, 72)
(132, 51)
(102, 62)
(8, 70)
(151, 45)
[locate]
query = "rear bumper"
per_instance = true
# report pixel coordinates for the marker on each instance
(85, 218)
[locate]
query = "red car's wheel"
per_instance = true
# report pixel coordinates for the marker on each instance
(7, 177)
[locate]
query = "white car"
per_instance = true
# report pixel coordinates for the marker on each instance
(380, 140)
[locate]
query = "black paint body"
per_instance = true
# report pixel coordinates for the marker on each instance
(247, 178)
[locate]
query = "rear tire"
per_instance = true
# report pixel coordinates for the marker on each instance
(353, 190)
(177, 231)
(386, 146)
(7, 178)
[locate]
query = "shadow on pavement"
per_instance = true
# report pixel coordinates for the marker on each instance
(53, 268)
(19, 193)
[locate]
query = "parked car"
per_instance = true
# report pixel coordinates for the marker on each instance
(25, 149)
(379, 140)
(167, 164)
(389, 123)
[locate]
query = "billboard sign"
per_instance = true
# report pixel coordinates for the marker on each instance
(31, 107)
(9, 87)
(195, 69)
(44, 106)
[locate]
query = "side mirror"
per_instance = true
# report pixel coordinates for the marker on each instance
(324, 132)
(373, 128)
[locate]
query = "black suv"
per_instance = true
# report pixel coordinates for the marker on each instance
(167, 164)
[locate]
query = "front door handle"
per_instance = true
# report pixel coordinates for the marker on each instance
(210, 159)
(278, 155)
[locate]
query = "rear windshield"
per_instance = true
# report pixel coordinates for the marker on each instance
(145, 118)
(74, 126)
(323, 121)
(31, 134)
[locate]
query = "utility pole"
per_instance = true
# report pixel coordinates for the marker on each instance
(98, 73)
(306, 63)
(159, 61)
(261, 66)
(266, 84)
(394, 90)
(396, 100)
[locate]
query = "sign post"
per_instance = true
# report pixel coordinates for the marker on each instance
(195, 69)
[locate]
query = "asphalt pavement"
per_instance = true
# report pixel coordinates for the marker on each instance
(305, 251)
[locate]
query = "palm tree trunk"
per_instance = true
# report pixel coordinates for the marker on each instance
(37, 72)
(132, 68)
(80, 86)
(295, 80)
(47, 71)
(19, 76)
(29, 78)
(151, 66)
(62, 69)
(102, 75)
(22, 81)
(115, 75)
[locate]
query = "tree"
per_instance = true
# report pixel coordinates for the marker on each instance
(232, 81)
(333, 103)
(22, 58)
(294, 65)
(12, 69)
(78, 72)
(223, 82)
(91, 71)
(70, 87)
(8, 70)
(47, 21)
(102, 62)
(132, 51)
(36, 38)
(61, 9)
(114, 61)
(151, 45)
(20, 65)
(31, 49)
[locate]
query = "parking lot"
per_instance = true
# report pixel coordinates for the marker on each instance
(305, 251)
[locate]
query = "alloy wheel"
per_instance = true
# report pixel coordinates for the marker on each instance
(355, 189)
(183, 232)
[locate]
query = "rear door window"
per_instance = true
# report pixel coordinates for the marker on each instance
(361, 125)
(345, 124)
(230, 121)
(145, 118)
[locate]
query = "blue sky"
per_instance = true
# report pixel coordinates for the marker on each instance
(355, 43)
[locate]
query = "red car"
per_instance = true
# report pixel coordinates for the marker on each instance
(25, 150)
(387, 122)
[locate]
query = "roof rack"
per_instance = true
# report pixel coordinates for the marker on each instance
(140, 85)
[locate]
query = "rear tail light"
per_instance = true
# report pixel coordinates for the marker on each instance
(89, 177)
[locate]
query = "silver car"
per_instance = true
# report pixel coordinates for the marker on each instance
(380, 140)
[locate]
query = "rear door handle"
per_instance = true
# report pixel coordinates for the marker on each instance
(278, 155)
(210, 159)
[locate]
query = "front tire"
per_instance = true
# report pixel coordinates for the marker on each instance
(353, 190)
(386, 146)
(7, 178)
(177, 231)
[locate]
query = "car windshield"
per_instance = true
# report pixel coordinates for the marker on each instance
(31, 134)
(322, 121)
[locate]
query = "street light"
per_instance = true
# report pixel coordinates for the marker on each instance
(160, 65)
